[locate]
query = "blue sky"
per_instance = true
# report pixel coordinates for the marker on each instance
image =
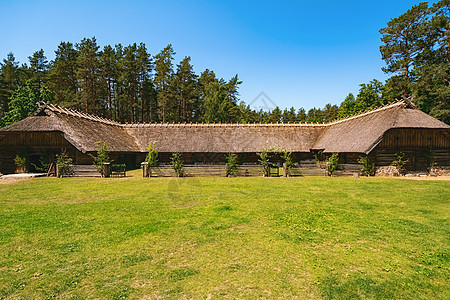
(299, 53)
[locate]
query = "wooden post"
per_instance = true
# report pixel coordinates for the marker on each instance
(106, 170)
(285, 174)
(145, 172)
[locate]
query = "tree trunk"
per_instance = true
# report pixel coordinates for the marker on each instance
(142, 100)
(109, 98)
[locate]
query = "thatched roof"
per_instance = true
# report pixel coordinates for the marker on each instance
(363, 132)
(236, 138)
(81, 130)
(360, 133)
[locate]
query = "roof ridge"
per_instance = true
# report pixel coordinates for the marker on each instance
(87, 116)
(79, 114)
(167, 124)
(368, 112)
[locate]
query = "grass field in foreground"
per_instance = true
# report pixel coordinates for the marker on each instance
(311, 237)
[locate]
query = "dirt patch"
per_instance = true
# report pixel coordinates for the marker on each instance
(12, 180)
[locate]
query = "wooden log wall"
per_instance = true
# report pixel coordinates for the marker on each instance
(32, 143)
(416, 138)
(413, 142)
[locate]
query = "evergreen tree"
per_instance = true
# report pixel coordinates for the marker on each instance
(330, 113)
(38, 67)
(275, 115)
(109, 70)
(88, 76)
(206, 77)
(9, 81)
(301, 115)
(347, 107)
(315, 115)
(162, 81)
(402, 43)
(185, 85)
(289, 115)
(62, 79)
(146, 95)
(432, 88)
(129, 77)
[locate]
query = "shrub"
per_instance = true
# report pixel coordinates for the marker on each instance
(332, 163)
(430, 159)
(264, 161)
(44, 163)
(21, 162)
(318, 156)
(177, 164)
(152, 155)
(231, 169)
(101, 157)
(117, 167)
(400, 162)
(63, 162)
(286, 156)
(367, 168)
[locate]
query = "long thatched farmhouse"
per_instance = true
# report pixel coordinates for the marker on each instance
(379, 133)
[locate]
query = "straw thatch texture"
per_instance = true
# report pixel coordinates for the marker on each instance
(81, 132)
(362, 133)
(357, 134)
(220, 138)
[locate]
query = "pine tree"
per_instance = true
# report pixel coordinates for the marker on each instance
(162, 80)
(38, 67)
(109, 69)
(315, 115)
(432, 90)
(62, 80)
(402, 43)
(301, 115)
(144, 64)
(185, 84)
(129, 77)
(330, 112)
(9, 81)
(88, 76)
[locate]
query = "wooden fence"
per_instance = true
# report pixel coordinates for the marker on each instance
(219, 170)
(205, 170)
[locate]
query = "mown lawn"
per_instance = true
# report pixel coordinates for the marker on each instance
(201, 238)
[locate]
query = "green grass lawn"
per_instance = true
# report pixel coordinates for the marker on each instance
(311, 237)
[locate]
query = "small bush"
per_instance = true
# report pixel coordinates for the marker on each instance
(286, 156)
(264, 161)
(177, 164)
(430, 159)
(231, 169)
(152, 155)
(63, 161)
(367, 168)
(44, 163)
(318, 156)
(21, 162)
(117, 167)
(333, 163)
(400, 162)
(101, 157)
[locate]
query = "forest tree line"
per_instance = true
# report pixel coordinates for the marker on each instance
(128, 84)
